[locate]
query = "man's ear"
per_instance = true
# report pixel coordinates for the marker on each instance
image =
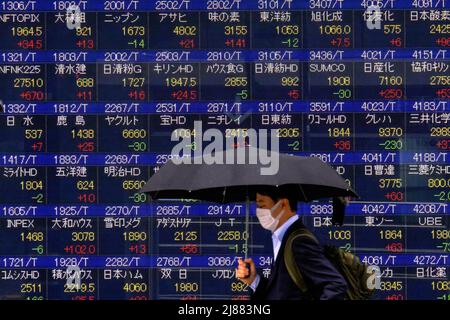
(285, 203)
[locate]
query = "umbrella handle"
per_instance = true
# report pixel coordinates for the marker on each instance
(247, 218)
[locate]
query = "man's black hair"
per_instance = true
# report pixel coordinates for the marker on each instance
(281, 192)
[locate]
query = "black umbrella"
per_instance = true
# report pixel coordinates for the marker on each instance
(224, 183)
(308, 178)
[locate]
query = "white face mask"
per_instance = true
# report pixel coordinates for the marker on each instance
(266, 219)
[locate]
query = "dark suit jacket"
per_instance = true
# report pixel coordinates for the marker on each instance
(324, 282)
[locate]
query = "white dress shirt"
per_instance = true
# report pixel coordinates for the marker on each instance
(277, 238)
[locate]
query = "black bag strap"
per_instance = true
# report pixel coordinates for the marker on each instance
(289, 260)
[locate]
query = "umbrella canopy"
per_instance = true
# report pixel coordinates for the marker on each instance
(309, 177)
(233, 177)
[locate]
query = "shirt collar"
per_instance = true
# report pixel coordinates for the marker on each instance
(279, 233)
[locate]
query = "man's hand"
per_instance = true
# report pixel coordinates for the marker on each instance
(242, 272)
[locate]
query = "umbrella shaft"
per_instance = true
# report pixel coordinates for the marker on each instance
(247, 217)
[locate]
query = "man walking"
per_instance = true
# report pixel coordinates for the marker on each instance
(276, 213)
